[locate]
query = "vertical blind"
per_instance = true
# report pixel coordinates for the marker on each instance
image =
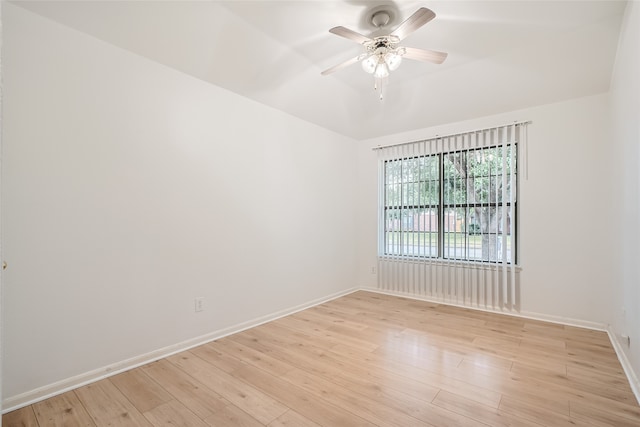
(448, 216)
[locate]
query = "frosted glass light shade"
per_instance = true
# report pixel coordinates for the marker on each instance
(393, 61)
(381, 71)
(369, 64)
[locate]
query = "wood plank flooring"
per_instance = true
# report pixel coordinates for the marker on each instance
(366, 360)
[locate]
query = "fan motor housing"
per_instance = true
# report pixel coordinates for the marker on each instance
(380, 16)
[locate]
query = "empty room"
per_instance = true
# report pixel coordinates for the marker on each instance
(320, 213)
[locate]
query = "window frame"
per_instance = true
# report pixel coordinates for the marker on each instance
(441, 208)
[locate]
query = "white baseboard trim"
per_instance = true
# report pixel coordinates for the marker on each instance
(626, 365)
(24, 399)
(567, 321)
(523, 314)
(16, 402)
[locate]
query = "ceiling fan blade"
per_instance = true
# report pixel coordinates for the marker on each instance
(349, 34)
(342, 65)
(412, 23)
(424, 55)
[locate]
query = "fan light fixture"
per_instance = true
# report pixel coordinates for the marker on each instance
(382, 54)
(381, 58)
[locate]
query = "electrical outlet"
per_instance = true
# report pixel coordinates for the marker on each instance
(199, 304)
(373, 270)
(626, 339)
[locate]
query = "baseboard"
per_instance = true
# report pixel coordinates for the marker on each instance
(45, 392)
(567, 321)
(523, 314)
(626, 365)
(16, 402)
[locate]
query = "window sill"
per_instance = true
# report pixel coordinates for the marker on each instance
(449, 263)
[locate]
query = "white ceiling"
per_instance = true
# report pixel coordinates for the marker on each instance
(503, 55)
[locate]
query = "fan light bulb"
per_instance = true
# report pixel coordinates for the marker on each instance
(381, 71)
(393, 60)
(369, 64)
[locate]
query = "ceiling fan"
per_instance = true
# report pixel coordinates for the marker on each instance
(383, 54)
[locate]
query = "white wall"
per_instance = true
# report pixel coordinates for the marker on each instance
(565, 216)
(1, 253)
(625, 140)
(129, 189)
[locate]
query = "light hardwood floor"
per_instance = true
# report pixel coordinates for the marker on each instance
(366, 360)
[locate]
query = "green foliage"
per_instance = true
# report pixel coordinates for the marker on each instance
(413, 181)
(468, 177)
(476, 176)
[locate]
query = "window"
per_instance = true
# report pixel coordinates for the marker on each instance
(457, 205)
